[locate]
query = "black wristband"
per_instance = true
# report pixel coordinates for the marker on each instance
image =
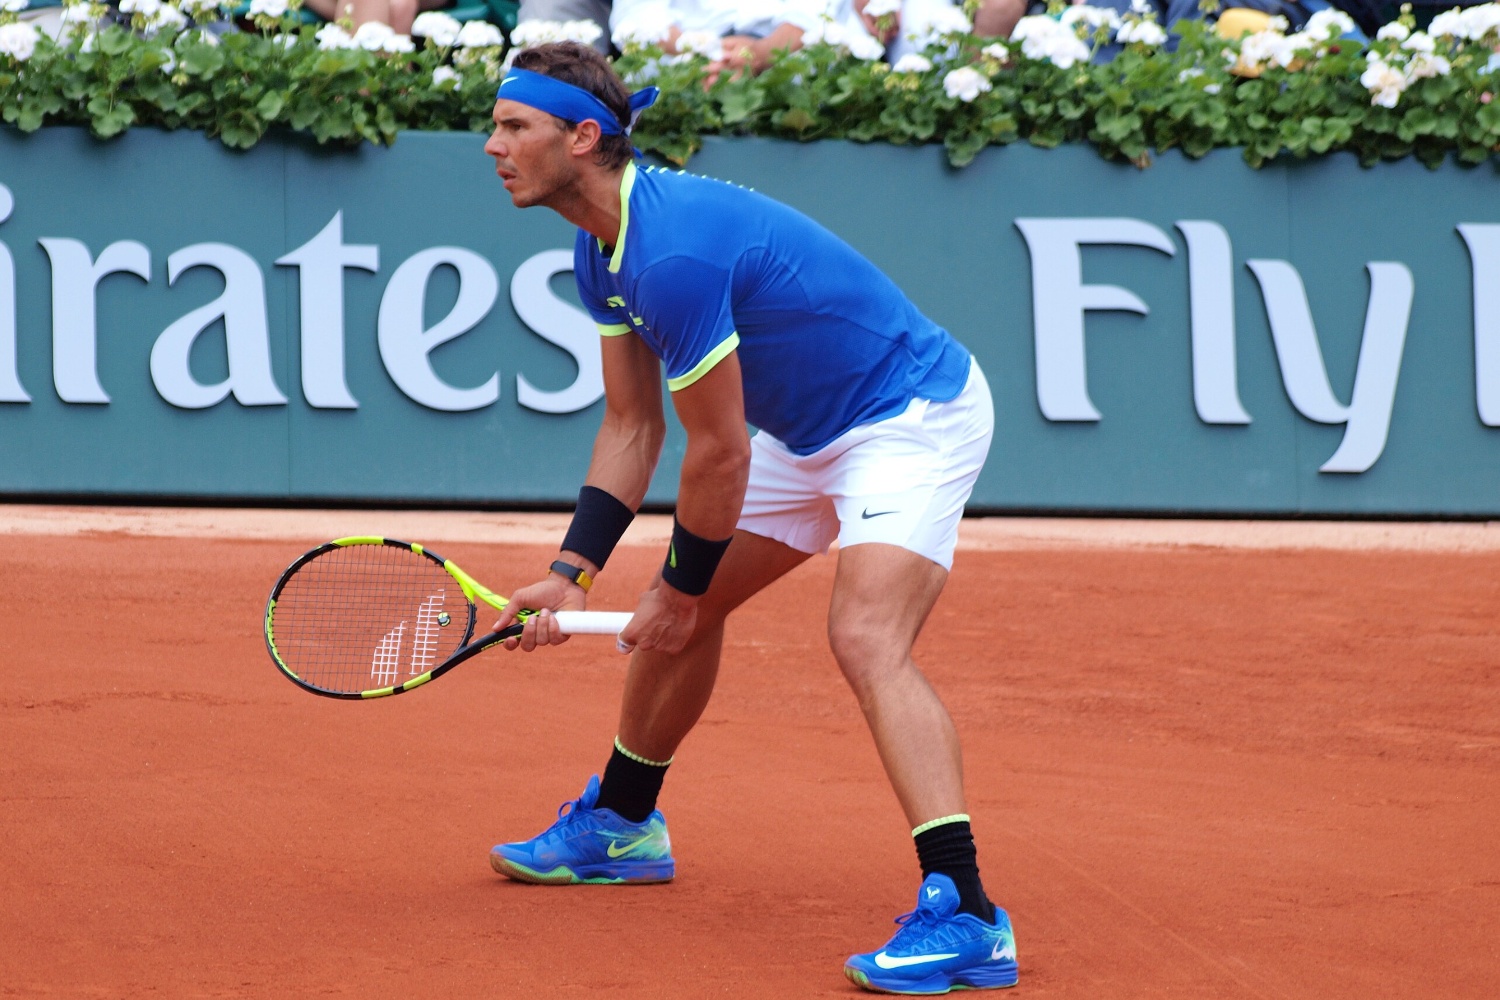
(691, 560)
(599, 521)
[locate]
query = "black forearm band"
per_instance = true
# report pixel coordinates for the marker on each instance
(691, 560)
(599, 522)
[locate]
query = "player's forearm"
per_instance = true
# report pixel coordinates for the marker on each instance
(625, 456)
(711, 489)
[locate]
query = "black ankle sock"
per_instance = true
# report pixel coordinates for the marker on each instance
(630, 787)
(949, 849)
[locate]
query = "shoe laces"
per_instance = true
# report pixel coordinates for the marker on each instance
(923, 922)
(914, 926)
(569, 813)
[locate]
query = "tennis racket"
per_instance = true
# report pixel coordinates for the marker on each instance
(369, 617)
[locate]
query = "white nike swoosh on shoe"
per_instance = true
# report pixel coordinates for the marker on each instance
(891, 962)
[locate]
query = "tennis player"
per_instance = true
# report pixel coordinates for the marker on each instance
(873, 425)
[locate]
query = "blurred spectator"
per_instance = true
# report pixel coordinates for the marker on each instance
(733, 35)
(1368, 15)
(399, 14)
(570, 10)
(906, 26)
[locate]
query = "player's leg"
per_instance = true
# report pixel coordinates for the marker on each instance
(613, 832)
(665, 694)
(882, 594)
(899, 490)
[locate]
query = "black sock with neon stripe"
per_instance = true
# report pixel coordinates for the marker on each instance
(948, 848)
(630, 785)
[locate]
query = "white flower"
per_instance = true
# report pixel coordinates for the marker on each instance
(443, 74)
(584, 31)
(1393, 32)
(481, 35)
(864, 48)
(398, 45)
(1328, 24)
(268, 8)
(1385, 83)
(1044, 39)
(1211, 88)
(1147, 33)
(1419, 42)
(331, 36)
(1092, 17)
(1302, 41)
(912, 63)
(1423, 65)
(1493, 65)
(18, 40)
(146, 8)
(283, 39)
(441, 29)
(77, 14)
(1141, 8)
(533, 33)
(171, 63)
(646, 28)
(880, 8)
(825, 32)
(14, 6)
(1448, 24)
(1481, 21)
(949, 21)
(1189, 73)
(1472, 23)
(708, 44)
(199, 8)
(965, 83)
(996, 51)
(167, 18)
(372, 35)
(1267, 46)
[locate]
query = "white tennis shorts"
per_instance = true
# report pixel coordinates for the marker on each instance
(903, 480)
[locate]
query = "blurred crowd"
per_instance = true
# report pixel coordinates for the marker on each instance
(740, 36)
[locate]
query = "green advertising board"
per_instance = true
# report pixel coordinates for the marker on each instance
(295, 323)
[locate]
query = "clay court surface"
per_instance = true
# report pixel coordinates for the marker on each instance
(1204, 761)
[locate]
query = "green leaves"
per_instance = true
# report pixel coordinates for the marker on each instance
(238, 87)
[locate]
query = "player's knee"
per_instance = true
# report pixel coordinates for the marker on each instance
(863, 654)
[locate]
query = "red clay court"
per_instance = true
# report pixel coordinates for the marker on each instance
(1204, 761)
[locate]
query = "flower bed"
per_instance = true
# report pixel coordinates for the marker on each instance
(1406, 93)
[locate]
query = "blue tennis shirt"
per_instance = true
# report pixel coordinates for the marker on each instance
(826, 342)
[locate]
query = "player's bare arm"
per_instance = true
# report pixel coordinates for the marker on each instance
(626, 451)
(710, 493)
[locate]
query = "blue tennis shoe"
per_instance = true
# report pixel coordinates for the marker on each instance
(939, 949)
(589, 844)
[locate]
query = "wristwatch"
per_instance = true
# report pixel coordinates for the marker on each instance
(575, 574)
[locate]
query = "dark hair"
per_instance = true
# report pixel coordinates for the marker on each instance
(585, 68)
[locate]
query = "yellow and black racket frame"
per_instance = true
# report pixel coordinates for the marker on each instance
(471, 588)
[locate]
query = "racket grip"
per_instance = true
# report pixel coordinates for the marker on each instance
(593, 622)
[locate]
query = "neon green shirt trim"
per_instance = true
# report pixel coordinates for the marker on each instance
(703, 367)
(627, 181)
(612, 329)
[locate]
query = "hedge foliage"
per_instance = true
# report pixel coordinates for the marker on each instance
(1406, 93)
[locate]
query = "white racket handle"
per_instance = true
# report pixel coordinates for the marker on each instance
(593, 622)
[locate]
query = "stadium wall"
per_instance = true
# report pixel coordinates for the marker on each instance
(295, 323)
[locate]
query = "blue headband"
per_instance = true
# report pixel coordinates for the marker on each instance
(570, 103)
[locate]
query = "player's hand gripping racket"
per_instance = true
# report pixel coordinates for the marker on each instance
(370, 617)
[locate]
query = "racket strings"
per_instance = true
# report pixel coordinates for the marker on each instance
(362, 617)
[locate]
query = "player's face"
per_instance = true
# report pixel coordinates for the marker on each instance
(531, 154)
